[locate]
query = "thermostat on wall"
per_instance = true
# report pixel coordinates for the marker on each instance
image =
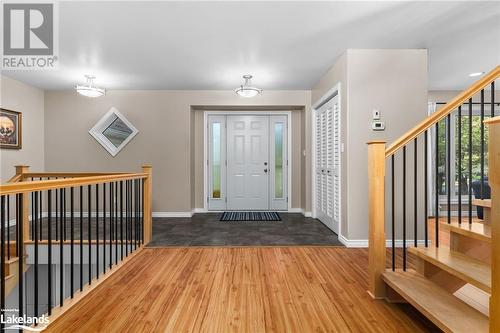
(378, 126)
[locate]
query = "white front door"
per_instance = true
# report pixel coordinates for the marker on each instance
(247, 162)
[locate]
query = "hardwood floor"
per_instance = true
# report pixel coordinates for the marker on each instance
(245, 289)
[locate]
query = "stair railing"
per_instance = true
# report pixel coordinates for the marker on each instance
(405, 182)
(80, 226)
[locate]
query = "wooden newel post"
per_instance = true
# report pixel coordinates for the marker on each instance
(376, 228)
(148, 204)
(20, 170)
(494, 180)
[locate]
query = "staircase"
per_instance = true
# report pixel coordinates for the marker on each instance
(429, 270)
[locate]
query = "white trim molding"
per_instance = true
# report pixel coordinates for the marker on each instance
(207, 113)
(331, 93)
(172, 214)
(388, 243)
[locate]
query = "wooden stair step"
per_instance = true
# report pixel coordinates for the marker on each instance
(468, 269)
(445, 310)
(476, 230)
(486, 203)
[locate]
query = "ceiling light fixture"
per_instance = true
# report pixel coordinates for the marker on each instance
(246, 90)
(89, 90)
(476, 74)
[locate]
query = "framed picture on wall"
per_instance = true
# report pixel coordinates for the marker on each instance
(10, 129)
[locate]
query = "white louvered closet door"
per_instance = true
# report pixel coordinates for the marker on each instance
(328, 164)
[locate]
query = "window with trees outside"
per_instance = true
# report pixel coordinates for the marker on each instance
(464, 149)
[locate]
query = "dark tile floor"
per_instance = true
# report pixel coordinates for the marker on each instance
(207, 230)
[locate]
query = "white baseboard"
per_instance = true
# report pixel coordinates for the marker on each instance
(388, 243)
(353, 242)
(307, 214)
(172, 214)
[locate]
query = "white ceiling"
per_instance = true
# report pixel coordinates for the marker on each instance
(285, 45)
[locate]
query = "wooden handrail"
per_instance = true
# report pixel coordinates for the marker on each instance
(67, 174)
(42, 185)
(445, 111)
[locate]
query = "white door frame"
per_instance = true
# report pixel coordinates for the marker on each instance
(288, 114)
(335, 90)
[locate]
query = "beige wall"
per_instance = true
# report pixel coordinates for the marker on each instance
(373, 79)
(18, 96)
(166, 123)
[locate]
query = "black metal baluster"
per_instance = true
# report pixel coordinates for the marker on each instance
(32, 217)
(121, 219)
(131, 226)
(97, 229)
(111, 206)
(131, 221)
(126, 216)
(141, 191)
(2, 256)
(459, 149)
(426, 198)
(470, 160)
(57, 214)
(20, 255)
(64, 215)
(35, 268)
(49, 250)
(404, 208)
(81, 238)
(481, 191)
(415, 198)
(104, 228)
(8, 227)
(115, 193)
(111, 223)
(41, 214)
(436, 170)
(17, 224)
(136, 202)
(393, 217)
(89, 230)
(448, 167)
(72, 239)
(61, 249)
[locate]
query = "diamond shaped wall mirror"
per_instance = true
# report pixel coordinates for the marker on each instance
(113, 131)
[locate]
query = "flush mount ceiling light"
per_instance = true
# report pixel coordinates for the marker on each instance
(246, 90)
(476, 74)
(88, 89)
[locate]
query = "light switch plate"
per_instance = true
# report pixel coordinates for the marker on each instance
(376, 114)
(378, 126)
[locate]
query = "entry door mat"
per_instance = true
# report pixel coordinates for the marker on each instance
(249, 216)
